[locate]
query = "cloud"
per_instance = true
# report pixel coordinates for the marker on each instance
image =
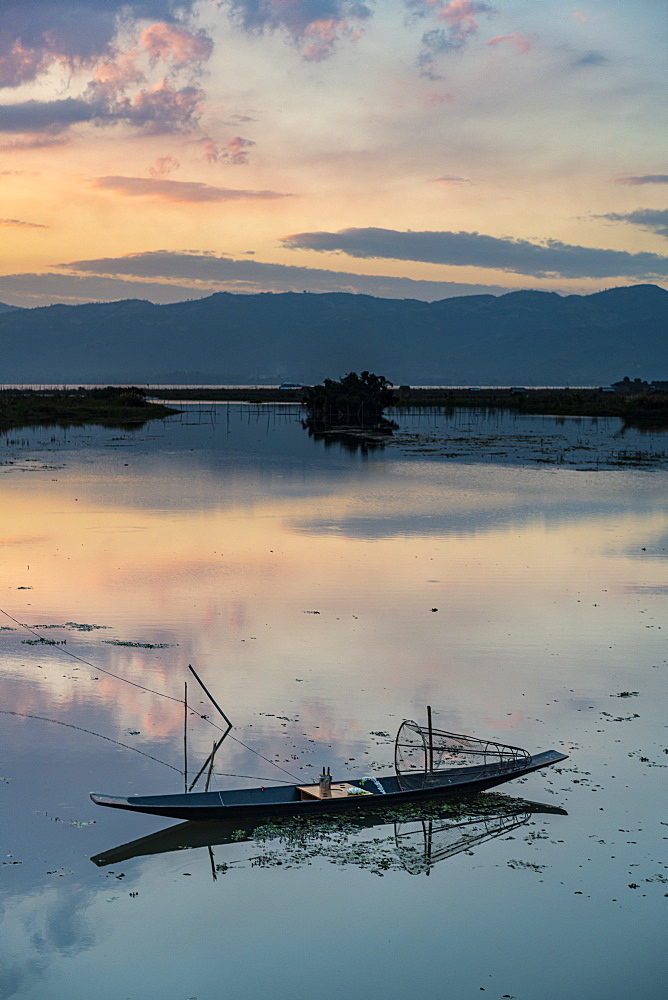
(591, 58)
(142, 76)
(235, 151)
(168, 276)
(655, 220)
(160, 110)
(210, 272)
(550, 259)
(461, 15)
(636, 179)
(522, 44)
(179, 191)
(35, 34)
(156, 111)
(37, 141)
(176, 44)
(20, 224)
(32, 290)
(163, 165)
(450, 180)
(50, 117)
(460, 18)
(314, 26)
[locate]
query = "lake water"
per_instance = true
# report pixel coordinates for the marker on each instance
(510, 572)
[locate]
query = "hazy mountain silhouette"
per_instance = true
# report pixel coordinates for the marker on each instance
(535, 338)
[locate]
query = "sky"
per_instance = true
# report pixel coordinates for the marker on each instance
(168, 149)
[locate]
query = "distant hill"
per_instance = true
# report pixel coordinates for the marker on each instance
(534, 338)
(5, 308)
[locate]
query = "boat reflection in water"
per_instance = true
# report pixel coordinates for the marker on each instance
(412, 840)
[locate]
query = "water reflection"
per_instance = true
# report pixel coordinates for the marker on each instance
(409, 838)
(323, 595)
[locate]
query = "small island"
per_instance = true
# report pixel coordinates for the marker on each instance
(115, 406)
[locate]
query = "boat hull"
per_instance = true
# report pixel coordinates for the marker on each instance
(255, 803)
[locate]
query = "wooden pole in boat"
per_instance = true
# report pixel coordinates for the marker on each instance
(206, 762)
(431, 739)
(208, 777)
(208, 694)
(185, 736)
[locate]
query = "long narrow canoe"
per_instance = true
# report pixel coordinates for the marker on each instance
(493, 813)
(344, 796)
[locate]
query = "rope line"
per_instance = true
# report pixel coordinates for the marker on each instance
(75, 656)
(70, 725)
(158, 694)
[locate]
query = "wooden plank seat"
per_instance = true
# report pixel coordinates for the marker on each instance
(338, 790)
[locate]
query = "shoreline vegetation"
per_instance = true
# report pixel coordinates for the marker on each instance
(130, 406)
(638, 407)
(113, 406)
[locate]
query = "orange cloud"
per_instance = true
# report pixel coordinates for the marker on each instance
(178, 191)
(20, 224)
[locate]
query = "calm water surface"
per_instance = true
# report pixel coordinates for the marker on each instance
(510, 572)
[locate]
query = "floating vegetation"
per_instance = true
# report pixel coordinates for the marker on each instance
(411, 837)
(43, 642)
(527, 864)
(138, 645)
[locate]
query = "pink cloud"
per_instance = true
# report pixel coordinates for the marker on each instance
(237, 149)
(113, 76)
(179, 191)
(163, 165)
(522, 44)
(211, 150)
(315, 26)
(19, 63)
(321, 36)
(162, 109)
(460, 15)
(174, 44)
(234, 151)
(76, 33)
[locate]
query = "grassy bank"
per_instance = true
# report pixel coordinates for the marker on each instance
(117, 407)
(649, 406)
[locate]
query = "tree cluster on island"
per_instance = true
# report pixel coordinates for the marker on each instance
(352, 401)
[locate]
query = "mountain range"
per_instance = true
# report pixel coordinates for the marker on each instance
(525, 337)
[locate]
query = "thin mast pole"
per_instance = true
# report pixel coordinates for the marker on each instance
(185, 736)
(431, 739)
(208, 693)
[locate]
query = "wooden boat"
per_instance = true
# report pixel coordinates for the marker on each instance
(440, 832)
(429, 764)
